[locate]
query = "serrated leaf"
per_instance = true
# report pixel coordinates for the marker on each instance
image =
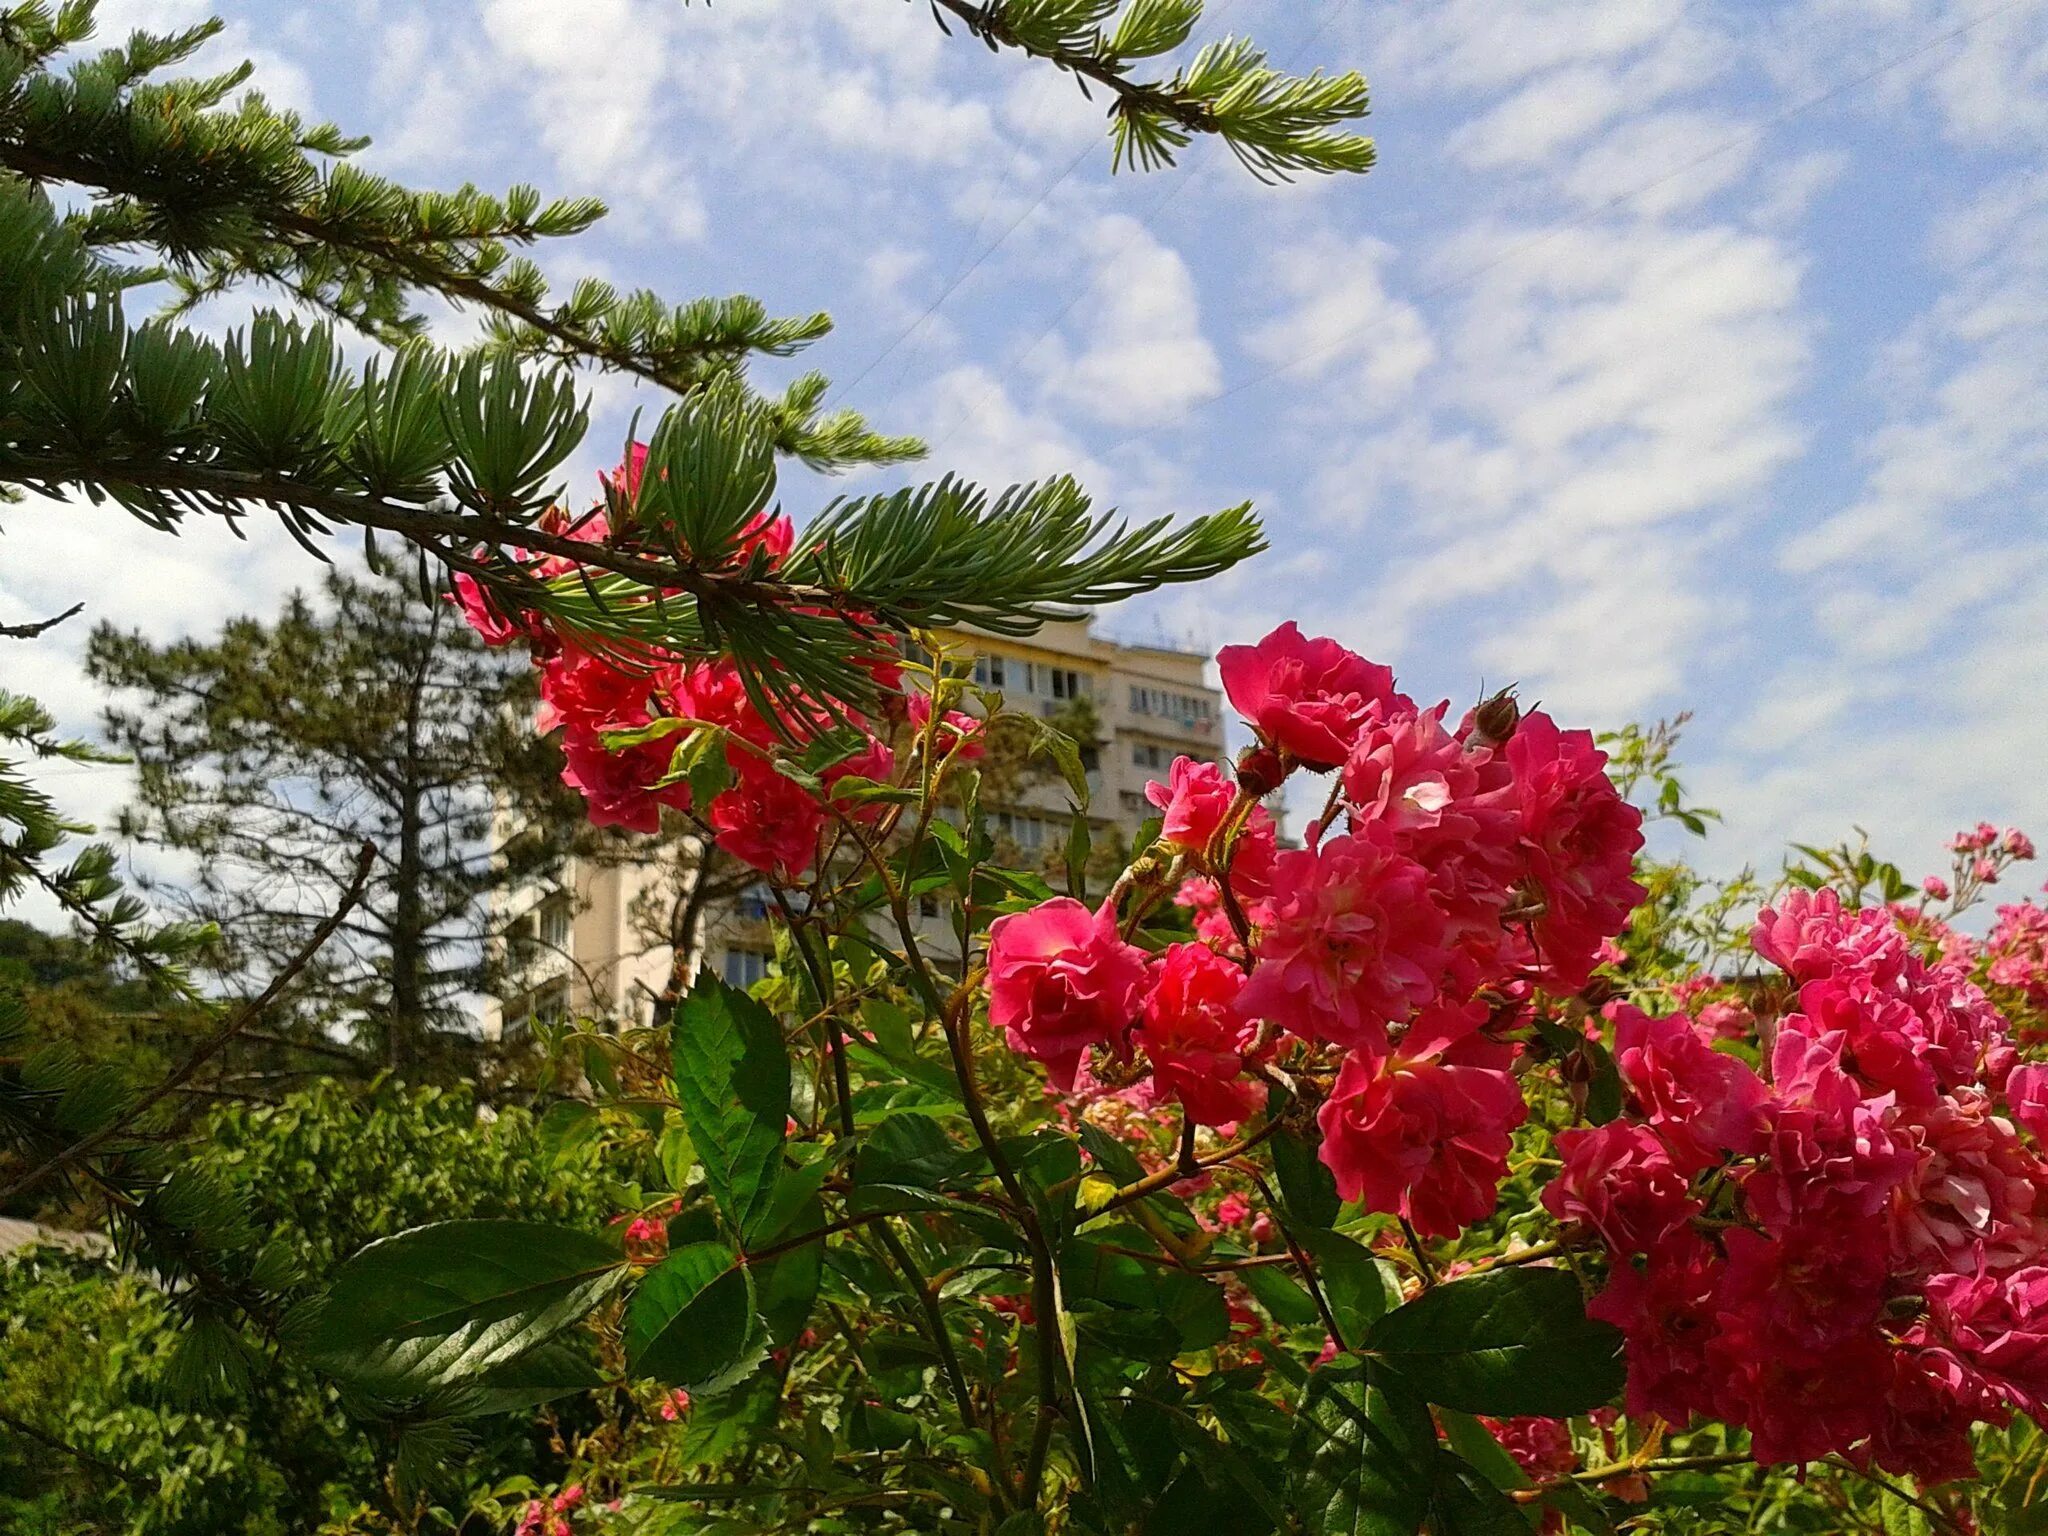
(556, 1369)
(691, 1322)
(1361, 1455)
(1503, 1342)
(441, 1305)
(732, 1080)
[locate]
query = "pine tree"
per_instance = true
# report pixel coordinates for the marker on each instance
(271, 752)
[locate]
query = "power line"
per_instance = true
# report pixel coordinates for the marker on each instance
(1091, 147)
(1551, 232)
(1141, 226)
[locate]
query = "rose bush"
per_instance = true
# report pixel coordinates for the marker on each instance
(1454, 1169)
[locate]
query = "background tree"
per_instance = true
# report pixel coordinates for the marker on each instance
(270, 753)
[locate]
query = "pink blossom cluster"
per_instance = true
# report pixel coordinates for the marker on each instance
(1457, 870)
(549, 1517)
(765, 818)
(1847, 1253)
(1979, 855)
(2016, 953)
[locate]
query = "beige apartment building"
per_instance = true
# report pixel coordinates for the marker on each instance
(593, 942)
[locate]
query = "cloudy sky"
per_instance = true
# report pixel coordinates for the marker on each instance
(1676, 356)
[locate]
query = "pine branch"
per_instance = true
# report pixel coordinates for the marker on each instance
(214, 1044)
(1275, 124)
(40, 626)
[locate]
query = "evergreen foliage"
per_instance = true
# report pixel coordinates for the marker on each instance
(181, 182)
(270, 753)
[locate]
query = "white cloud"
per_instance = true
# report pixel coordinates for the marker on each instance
(984, 433)
(1341, 316)
(1141, 356)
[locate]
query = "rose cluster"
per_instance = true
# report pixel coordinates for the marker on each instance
(1844, 1254)
(600, 702)
(1457, 869)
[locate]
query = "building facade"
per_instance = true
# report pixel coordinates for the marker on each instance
(593, 941)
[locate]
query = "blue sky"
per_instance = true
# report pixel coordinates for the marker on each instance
(1676, 356)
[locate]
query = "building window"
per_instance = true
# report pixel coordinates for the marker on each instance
(1024, 831)
(990, 671)
(554, 925)
(545, 1005)
(1132, 802)
(754, 903)
(1168, 703)
(744, 967)
(1146, 755)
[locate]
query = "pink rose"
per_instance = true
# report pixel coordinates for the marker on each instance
(1699, 1101)
(2026, 1097)
(1578, 845)
(957, 732)
(1425, 1137)
(1619, 1180)
(1307, 697)
(1996, 1327)
(1194, 799)
(1348, 944)
(1664, 1307)
(1195, 1038)
(766, 820)
(1830, 1153)
(1061, 979)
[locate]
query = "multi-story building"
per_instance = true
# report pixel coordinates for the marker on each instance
(596, 936)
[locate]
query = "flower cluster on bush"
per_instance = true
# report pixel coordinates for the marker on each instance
(623, 717)
(1843, 1253)
(1823, 1206)
(1455, 872)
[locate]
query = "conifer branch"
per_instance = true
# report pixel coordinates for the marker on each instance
(1275, 124)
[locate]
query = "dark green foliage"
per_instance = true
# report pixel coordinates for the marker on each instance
(93, 1356)
(441, 1305)
(1511, 1340)
(732, 1079)
(693, 1323)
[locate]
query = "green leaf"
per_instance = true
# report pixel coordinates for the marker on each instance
(1474, 1442)
(1308, 1190)
(441, 1305)
(1359, 1286)
(556, 1369)
(692, 1323)
(786, 1287)
(1503, 1342)
(1361, 1453)
(732, 1080)
(1285, 1301)
(1078, 847)
(1463, 1503)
